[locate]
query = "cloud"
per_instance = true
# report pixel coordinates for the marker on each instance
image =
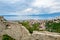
(42, 3)
(29, 7)
(55, 8)
(51, 5)
(27, 11)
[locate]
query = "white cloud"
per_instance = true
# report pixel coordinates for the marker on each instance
(40, 3)
(27, 11)
(30, 10)
(51, 5)
(35, 7)
(55, 8)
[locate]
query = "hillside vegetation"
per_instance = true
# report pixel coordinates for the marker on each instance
(53, 26)
(50, 26)
(31, 29)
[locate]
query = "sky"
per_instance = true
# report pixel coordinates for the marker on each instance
(26, 9)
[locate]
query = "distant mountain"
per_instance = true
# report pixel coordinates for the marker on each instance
(48, 15)
(34, 16)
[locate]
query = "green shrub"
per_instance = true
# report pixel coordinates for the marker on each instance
(53, 27)
(6, 37)
(30, 29)
(36, 26)
(26, 24)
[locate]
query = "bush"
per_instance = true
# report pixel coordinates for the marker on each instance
(26, 24)
(36, 26)
(53, 27)
(6, 37)
(30, 29)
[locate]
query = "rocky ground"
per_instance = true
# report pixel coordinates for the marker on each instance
(19, 32)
